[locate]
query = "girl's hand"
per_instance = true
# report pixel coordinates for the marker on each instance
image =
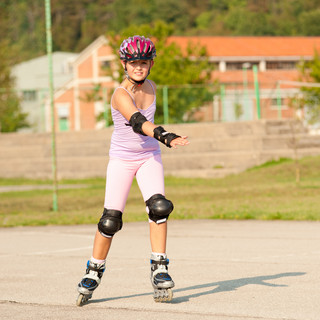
(181, 141)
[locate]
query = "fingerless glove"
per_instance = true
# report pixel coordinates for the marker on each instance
(163, 136)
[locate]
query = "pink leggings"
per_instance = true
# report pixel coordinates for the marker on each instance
(120, 174)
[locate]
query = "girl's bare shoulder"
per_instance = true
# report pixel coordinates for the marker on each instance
(121, 97)
(153, 84)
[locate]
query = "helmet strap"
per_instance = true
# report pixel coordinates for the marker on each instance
(135, 82)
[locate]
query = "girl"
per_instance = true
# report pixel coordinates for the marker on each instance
(134, 151)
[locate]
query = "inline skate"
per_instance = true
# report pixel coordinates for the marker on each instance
(160, 279)
(89, 282)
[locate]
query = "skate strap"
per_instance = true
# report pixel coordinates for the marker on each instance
(95, 268)
(160, 262)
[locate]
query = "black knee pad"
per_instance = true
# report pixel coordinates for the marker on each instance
(110, 222)
(159, 208)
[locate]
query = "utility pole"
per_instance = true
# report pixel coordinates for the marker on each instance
(51, 92)
(256, 87)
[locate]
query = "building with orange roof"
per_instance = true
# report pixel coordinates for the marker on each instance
(240, 48)
(275, 60)
(76, 106)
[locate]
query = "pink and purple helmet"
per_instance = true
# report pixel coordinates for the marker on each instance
(137, 48)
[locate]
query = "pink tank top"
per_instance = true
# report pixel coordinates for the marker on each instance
(125, 143)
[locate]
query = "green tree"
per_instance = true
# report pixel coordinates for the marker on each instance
(11, 117)
(140, 12)
(186, 78)
(77, 23)
(241, 21)
(22, 25)
(310, 23)
(310, 71)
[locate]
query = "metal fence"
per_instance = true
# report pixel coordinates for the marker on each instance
(175, 104)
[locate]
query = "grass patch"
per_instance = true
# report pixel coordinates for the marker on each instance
(271, 163)
(268, 192)
(218, 166)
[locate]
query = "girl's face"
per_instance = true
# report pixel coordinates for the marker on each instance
(138, 69)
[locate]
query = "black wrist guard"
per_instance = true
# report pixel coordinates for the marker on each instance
(136, 121)
(163, 136)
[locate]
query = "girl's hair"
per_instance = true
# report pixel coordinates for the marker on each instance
(137, 48)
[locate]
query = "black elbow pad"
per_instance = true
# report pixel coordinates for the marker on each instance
(136, 121)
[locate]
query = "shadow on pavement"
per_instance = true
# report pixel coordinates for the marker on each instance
(215, 287)
(230, 285)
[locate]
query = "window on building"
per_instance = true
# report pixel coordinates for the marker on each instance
(106, 67)
(281, 65)
(234, 66)
(240, 65)
(106, 64)
(67, 66)
(29, 95)
(276, 101)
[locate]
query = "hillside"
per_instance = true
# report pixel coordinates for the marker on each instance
(76, 23)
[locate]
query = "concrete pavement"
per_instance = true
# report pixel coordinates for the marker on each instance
(237, 270)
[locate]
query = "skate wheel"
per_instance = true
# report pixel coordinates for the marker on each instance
(82, 299)
(163, 295)
(79, 301)
(170, 295)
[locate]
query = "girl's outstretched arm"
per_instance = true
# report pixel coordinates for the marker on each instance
(124, 104)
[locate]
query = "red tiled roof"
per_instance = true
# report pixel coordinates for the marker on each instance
(253, 46)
